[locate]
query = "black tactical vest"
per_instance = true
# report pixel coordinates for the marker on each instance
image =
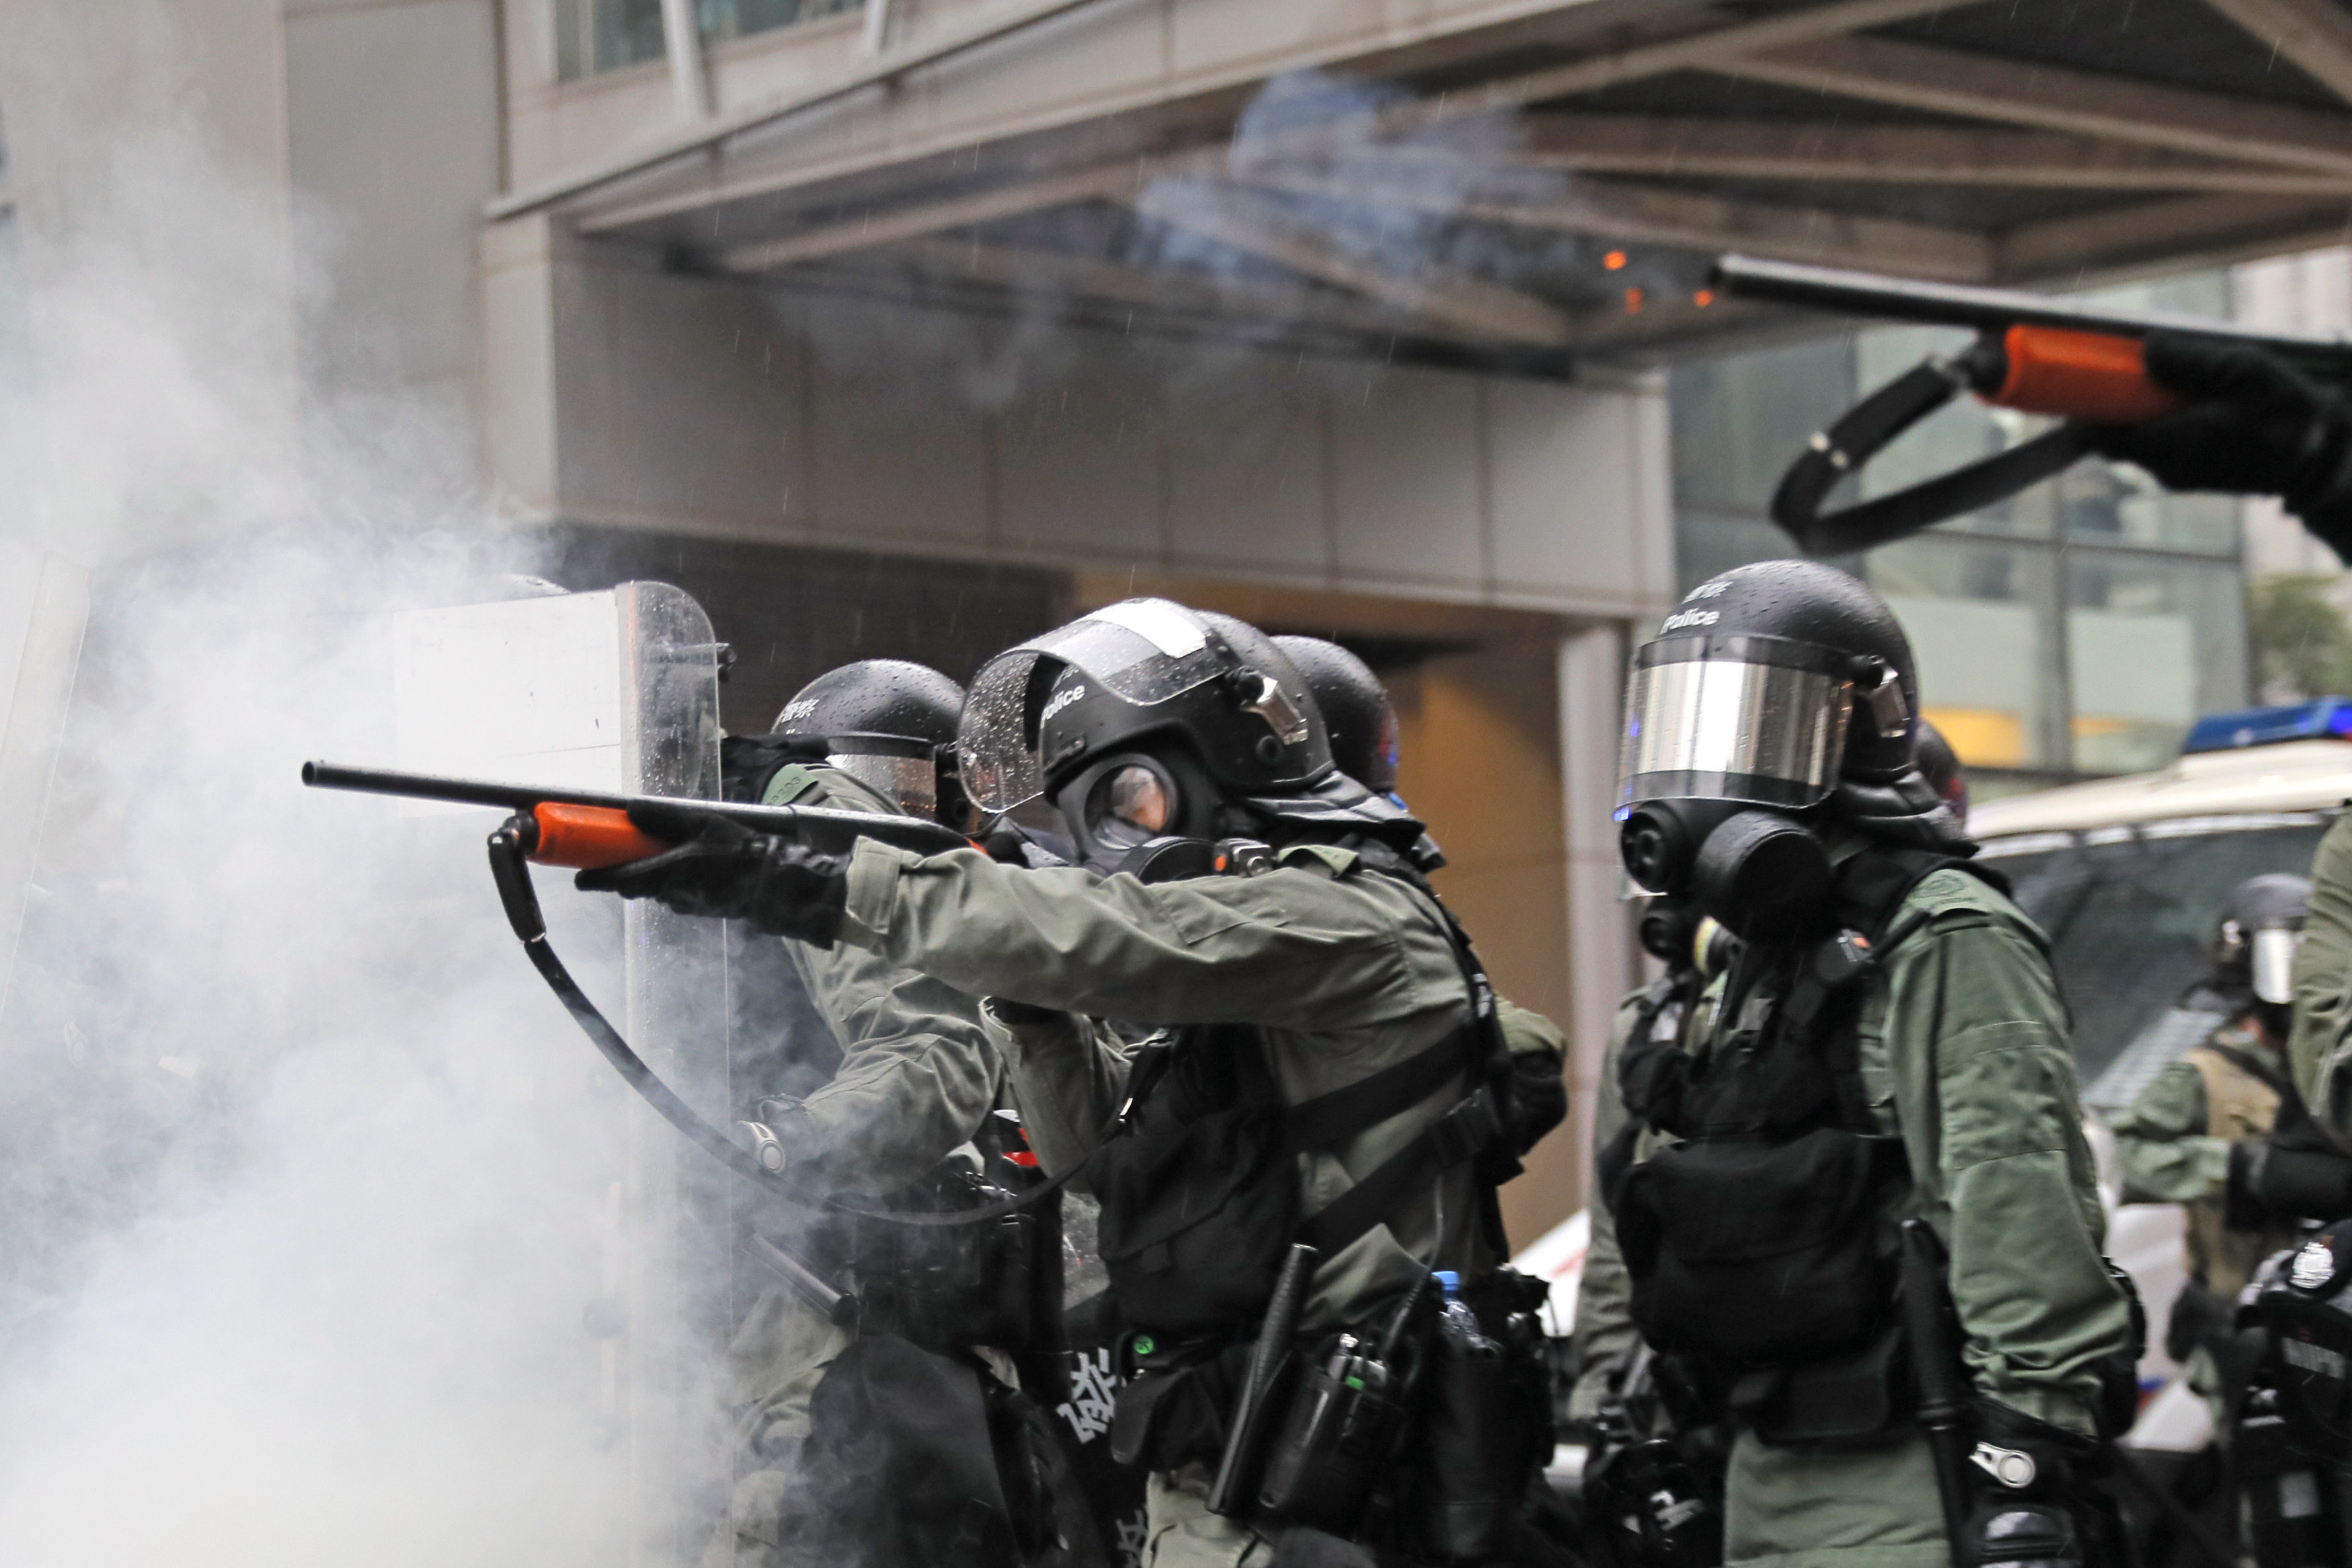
(1199, 1186)
(1762, 1237)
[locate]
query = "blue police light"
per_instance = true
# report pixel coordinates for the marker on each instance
(2322, 718)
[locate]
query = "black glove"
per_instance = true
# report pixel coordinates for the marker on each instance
(2035, 1503)
(2254, 426)
(722, 870)
(2286, 1177)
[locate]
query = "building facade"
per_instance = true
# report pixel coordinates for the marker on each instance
(909, 325)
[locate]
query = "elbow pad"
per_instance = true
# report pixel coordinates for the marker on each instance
(1538, 1098)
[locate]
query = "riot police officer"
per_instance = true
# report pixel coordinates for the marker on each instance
(904, 1077)
(1366, 745)
(1887, 1044)
(2175, 1143)
(1366, 738)
(1323, 1128)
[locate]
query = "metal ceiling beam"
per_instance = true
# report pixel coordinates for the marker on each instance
(1608, 68)
(1702, 148)
(2096, 239)
(1104, 182)
(2314, 35)
(1647, 213)
(1026, 270)
(1259, 224)
(1982, 87)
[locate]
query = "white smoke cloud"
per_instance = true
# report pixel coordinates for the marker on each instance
(304, 1181)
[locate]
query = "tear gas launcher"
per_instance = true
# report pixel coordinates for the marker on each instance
(2034, 353)
(589, 830)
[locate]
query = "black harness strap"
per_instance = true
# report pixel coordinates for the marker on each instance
(2262, 1073)
(1333, 1118)
(1472, 1126)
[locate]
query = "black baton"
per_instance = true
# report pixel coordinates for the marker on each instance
(1237, 1470)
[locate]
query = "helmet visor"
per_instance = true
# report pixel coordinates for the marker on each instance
(1755, 719)
(912, 781)
(1144, 651)
(2272, 962)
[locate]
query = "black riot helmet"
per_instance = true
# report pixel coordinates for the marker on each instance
(1144, 720)
(2256, 935)
(886, 722)
(1356, 712)
(1771, 687)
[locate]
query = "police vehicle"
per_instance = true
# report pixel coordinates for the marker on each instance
(2124, 875)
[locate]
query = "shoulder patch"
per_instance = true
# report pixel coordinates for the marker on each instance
(1333, 861)
(1952, 899)
(788, 784)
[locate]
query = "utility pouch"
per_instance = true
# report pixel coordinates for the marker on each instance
(1473, 1446)
(1167, 1417)
(1197, 1213)
(1759, 1250)
(1855, 1400)
(1346, 1419)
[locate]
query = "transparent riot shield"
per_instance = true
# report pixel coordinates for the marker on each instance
(44, 608)
(617, 690)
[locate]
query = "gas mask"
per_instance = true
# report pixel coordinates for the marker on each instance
(1761, 875)
(1132, 806)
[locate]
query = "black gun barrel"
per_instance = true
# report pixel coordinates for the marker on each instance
(1992, 310)
(817, 823)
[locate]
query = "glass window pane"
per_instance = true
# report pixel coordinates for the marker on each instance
(2150, 645)
(2111, 504)
(1739, 420)
(570, 28)
(1982, 618)
(605, 35)
(1707, 542)
(724, 20)
(2127, 921)
(1959, 433)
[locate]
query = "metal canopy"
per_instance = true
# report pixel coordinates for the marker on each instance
(1518, 193)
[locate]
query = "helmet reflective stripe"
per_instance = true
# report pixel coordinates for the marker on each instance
(1756, 720)
(1165, 626)
(1143, 651)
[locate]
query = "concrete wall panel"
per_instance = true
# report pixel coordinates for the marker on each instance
(1408, 479)
(1564, 461)
(1078, 459)
(900, 450)
(707, 406)
(393, 127)
(681, 399)
(1245, 473)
